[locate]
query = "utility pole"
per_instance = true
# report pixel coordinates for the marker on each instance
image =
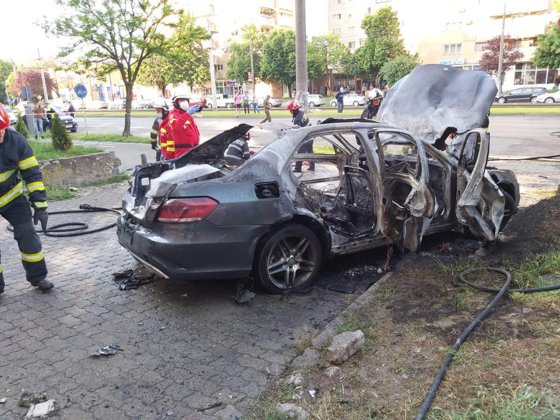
(501, 53)
(45, 94)
(301, 55)
(252, 65)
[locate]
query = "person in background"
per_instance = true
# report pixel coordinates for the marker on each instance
(71, 110)
(39, 114)
(179, 131)
(255, 103)
(301, 120)
(19, 167)
(238, 150)
(162, 110)
(266, 106)
(340, 100)
(237, 101)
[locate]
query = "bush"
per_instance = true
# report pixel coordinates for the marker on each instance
(21, 127)
(60, 137)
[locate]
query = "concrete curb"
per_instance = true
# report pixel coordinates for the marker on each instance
(324, 337)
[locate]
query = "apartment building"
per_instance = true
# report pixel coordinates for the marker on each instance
(455, 32)
(225, 20)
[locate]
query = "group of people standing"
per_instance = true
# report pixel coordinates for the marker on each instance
(243, 99)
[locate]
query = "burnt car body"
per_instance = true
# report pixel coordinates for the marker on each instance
(374, 183)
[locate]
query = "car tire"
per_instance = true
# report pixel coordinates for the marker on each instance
(549, 101)
(73, 129)
(209, 105)
(333, 103)
(356, 103)
(534, 100)
(289, 259)
(311, 104)
(502, 100)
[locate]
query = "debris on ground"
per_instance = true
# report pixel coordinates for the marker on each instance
(133, 279)
(27, 399)
(291, 411)
(344, 346)
(210, 406)
(3, 400)
(41, 410)
(107, 351)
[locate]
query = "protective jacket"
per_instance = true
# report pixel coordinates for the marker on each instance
(180, 133)
(300, 118)
(18, 166)
(237, 152)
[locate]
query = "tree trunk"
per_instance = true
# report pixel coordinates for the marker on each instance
(127, 109)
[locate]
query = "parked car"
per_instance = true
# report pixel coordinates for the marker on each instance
(196, 217)
(142, 104)
(98, 105)
(67, 120)
(522, 95)
(314, 100)
(222, 101)
(11, 115)
(548, 98)
(351, 99)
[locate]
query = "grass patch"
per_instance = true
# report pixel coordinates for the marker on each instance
(110, 138)
(491, 404)
(529, 110)
(56, 193)
(123, 176)
(350, 322)
(44, 150)
(530, 272)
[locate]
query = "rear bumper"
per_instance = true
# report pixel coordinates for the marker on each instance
(195, 251)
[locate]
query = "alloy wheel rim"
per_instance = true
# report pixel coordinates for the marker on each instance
(291, 261)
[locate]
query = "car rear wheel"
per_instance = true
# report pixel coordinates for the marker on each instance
(333, 103)
(501, 100)
(356, 103)
(549, 101)
(289, 260)
(534, 100)
(311, 104)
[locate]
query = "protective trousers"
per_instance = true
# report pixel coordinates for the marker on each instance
(18, 214)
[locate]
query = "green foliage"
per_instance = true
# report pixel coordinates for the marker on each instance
(45, 150)
(115, 35)
(156, 71)
(383, 44)
(397, 68)
(239, 63)
(60, 137)
(279, 58)
(6, 68)
(333, 51)
(21, 127)
(548, 48)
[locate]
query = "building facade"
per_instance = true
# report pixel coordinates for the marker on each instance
(455, 32)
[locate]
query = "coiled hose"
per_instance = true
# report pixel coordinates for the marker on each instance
(75, 228)
(428, 399)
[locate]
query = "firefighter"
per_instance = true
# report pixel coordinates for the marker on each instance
(18, 166)
(238, 150)
(161, 113)
(178, 130)
(300, 119)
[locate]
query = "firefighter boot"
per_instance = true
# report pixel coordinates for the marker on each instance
(44, 285)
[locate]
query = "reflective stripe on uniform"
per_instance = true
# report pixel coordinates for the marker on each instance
(10, 195)
(154, 132)
(5, 175)
(40, 204)
(35, 186)
(32, 257)
(27, 163)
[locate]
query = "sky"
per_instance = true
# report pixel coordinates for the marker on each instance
(22, 37)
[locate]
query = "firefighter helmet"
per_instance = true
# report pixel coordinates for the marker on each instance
(180, 96)
(293, 105)
(4, 119)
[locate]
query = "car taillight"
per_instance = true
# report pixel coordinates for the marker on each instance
(184, 210)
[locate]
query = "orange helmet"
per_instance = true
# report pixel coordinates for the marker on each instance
(292, 105)
(4, 119)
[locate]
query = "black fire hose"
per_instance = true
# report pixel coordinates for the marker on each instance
(75, 228)
(451, 353)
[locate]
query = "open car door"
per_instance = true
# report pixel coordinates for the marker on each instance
(408, 205)
(480, 203)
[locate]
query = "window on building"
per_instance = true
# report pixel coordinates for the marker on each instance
(352, 45)
(480, 46)
(351, 30)
(452, 48)
(337, 16)
(527, 74)
(369, 10)
(336, 31)
(219, 67)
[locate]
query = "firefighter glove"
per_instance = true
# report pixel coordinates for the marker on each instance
(154, 145)
(42, 216)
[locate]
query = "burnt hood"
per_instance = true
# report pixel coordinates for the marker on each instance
(212, 149)
(433, 97)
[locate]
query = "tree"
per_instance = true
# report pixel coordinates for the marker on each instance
(325, 52)
(21, 127)
(6, 68)
(490, 59)
(60, 138)
(396, 69)
(32, 78)
(547, 53)
(239, 63)
(184, 59)
(115, 34)
(383, 43)
(279, 58)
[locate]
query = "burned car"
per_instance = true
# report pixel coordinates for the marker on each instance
(374, 183)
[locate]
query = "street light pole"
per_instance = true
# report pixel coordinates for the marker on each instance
(301, 55)
(501, 53)
(45, 94)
